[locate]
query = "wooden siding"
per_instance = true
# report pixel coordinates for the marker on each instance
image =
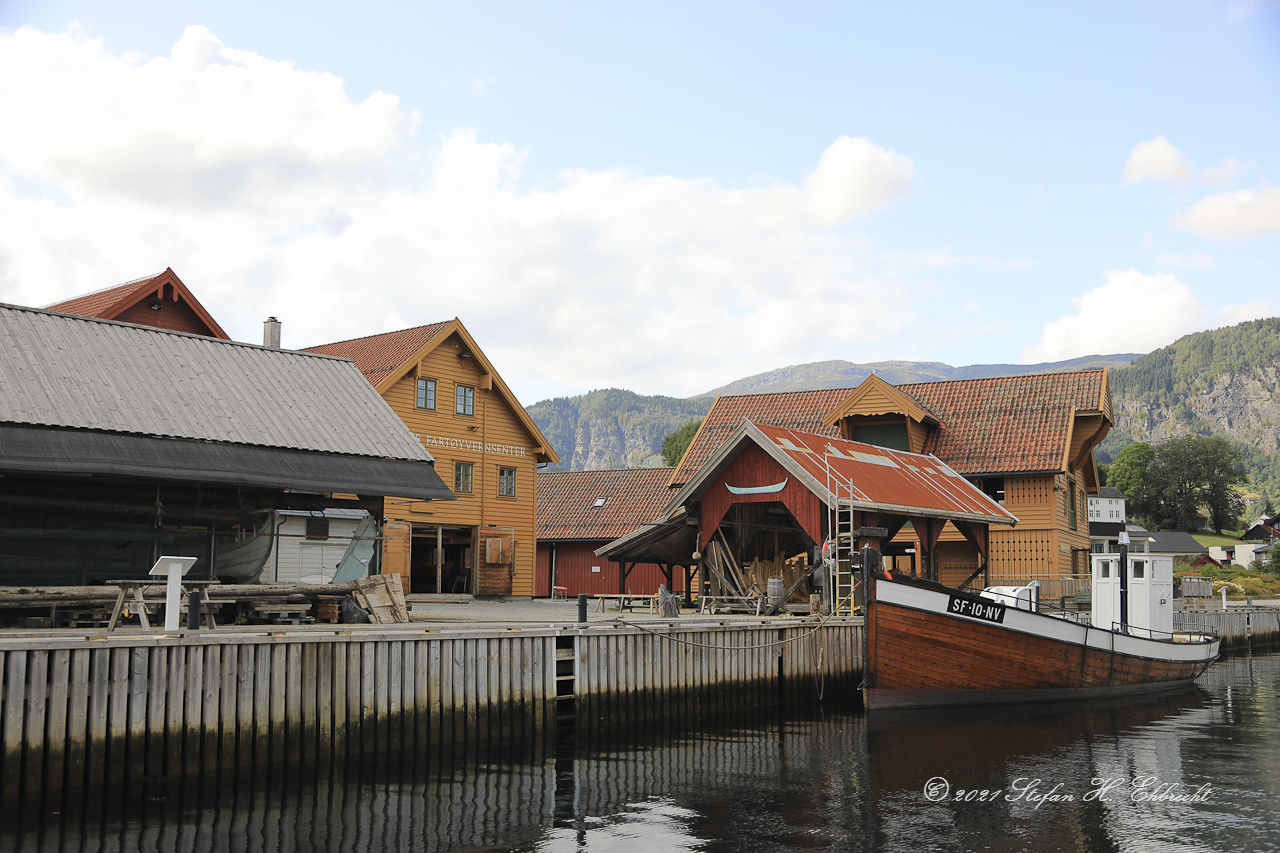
(574, 561)
(492, 438)
(174, 316)
(753, 467)
(916, 650)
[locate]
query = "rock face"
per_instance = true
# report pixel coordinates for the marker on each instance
(1244, 406)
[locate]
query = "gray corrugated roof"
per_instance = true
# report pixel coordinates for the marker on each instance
(65, 370)
(1110, 492)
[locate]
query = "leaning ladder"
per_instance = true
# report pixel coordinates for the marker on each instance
(843, 543)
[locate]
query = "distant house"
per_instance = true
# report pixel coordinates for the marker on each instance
(1027, 441)
(580, 511)
(121, 442)
(161, 301)
(1242, 554)
(1106, 520)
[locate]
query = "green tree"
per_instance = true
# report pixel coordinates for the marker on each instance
(1131, 474)
(674, 445)
(1190, 473)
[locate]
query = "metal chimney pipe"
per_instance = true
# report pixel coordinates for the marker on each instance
(271, 333)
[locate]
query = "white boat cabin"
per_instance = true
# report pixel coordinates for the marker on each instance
(1150, 583)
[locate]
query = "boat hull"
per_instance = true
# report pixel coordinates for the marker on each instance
(921, 655)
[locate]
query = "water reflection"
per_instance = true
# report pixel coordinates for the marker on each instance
(781, 781)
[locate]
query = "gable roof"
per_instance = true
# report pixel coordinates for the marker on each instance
(566, 502)
(863, 476)
(877, 397)
(378, 356)
(136, 379)
(121, 397)
(998, 425)
(384, 359)
(110, 302)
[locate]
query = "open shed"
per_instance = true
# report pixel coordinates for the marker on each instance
(770, 494)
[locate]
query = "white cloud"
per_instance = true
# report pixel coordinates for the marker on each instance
(1158, 160)
(1132, 312)
(208, 127)
(271, 192)
(1230, 215)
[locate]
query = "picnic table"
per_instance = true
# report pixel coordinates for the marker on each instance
(145, 607)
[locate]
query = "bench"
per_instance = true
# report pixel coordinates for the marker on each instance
(627, 602)
(559, 592)
(734, 603)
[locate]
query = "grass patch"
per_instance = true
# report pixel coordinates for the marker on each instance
(1208, 540)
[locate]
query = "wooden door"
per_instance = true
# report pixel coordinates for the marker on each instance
(397, 545)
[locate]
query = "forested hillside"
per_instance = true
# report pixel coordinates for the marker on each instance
(1222, 382)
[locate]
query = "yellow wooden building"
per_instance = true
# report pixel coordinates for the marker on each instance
(487, 449)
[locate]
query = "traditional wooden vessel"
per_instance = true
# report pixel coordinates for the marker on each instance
(929, 645)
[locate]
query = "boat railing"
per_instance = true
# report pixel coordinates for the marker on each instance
(1199, 635)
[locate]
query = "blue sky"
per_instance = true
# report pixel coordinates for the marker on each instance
(661, 197)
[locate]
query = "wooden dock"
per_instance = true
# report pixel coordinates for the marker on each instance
(98, 709)
(1241, 629)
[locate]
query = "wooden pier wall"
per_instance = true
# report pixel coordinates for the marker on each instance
(116, 709)
(1240, 629)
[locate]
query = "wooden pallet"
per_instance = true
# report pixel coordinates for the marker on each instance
(382, 597)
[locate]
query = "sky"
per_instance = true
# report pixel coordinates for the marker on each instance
(662, 197)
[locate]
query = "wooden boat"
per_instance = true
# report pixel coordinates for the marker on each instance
(929, 645)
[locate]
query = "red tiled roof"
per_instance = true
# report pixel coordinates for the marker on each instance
(378, 356)
(99, 302)
(1007, 423)
(798, 410)
(995, 425)
(566, 502)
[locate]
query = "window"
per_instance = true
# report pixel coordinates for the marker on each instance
(466, 400)
(506, 482)
(317, 528)
(1139, 569)
(599, 503)
(1071, 505)
(462, 477)
(426, 394)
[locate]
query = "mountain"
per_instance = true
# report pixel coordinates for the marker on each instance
(846, 374)
(1221, 382)
(613, 428)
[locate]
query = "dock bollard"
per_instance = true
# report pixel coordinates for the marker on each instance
(193, 610)
(582, 607)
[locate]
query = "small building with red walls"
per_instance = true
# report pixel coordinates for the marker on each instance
(580, 511)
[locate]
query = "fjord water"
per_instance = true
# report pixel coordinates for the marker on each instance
(1192, 771)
